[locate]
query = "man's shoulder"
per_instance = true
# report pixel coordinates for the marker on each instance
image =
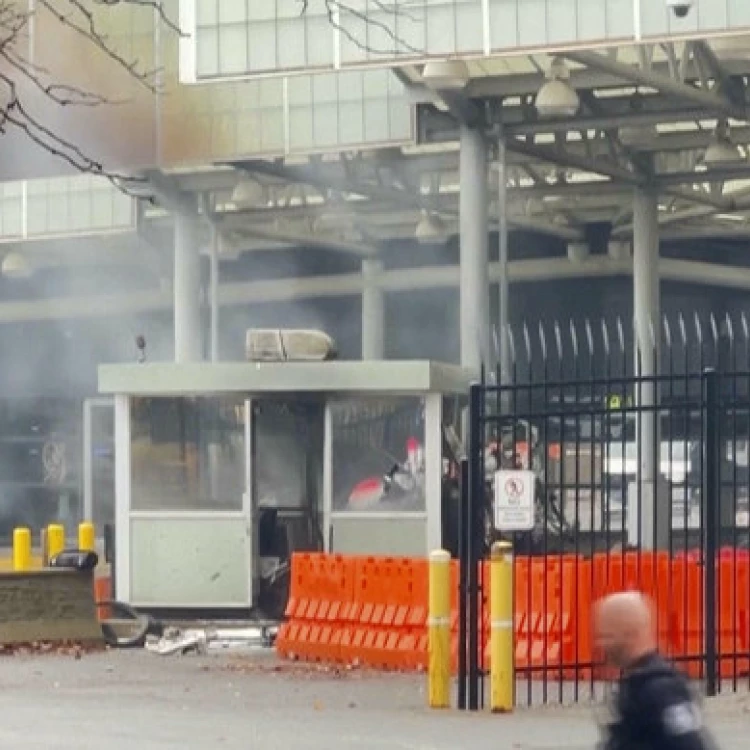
(659, 684)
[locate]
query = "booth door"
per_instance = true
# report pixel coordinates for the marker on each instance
(99, 464)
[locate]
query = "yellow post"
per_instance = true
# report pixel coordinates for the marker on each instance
(55, 540)
(21, 549)
(502, 668)
(86, 537)
(439, 644)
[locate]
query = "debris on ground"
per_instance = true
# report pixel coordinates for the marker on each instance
(204, 640)
(64, 648)
(297, 669)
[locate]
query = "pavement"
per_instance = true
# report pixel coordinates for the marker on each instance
(133, 699)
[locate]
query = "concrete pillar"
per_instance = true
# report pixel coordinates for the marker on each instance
(503, 353)
(474, 278)
(187, 290)
(648, 525)
(373, 310)
(214, 295)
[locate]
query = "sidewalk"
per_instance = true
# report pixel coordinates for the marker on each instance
(132, 699)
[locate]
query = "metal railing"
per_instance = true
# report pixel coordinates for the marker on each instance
(641, 481)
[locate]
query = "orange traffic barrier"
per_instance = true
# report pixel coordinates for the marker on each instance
(373, 610)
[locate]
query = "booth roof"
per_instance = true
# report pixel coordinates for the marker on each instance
(371, 378)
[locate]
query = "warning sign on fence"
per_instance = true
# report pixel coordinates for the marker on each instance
(514, 500)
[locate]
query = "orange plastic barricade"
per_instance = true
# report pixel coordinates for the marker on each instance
(373, 610)
(321, 587)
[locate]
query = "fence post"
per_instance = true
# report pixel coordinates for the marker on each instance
(439, 645)
(502, 650)
(463, 583)
(711, 500)
(476, 505)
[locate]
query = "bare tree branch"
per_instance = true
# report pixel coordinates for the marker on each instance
(20, 76)
(338, 10)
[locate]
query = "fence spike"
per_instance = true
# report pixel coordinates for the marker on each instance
(511, 347)
(621, 334)
(495, 342)
(743, 321)
(714, 329)
(683, 330)
(667, 333)
(589, 336)
(543, 341)
(605, 336)
(729, 327)
(558, 340)
(698, 329)
(574, 339)
(527, 341)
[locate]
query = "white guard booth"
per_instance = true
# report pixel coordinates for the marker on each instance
(212, 459)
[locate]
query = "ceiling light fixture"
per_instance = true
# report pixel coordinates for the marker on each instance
(557, 98)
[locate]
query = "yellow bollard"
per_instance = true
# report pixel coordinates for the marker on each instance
(21, 549)
(55, 540)
(86, 537)
(502, 674)
(439, 644)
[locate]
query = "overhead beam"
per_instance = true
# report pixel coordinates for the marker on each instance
(662, 83)
(715, 174)
(342, 285)
(565, 158)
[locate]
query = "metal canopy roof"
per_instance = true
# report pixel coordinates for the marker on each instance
(562, 174)
(373, 378)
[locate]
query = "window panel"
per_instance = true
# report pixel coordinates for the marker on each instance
(469, 27)
(325, 124)
(319, 41)
(36, 219)
(262, 46)
(207, 12)
(301, 128)
(233, 12)
(248, 133)
(232, 49)
(272, 130)
(351, 122)
(58, 213)
(102, 212)
(532, 22)
(80, 210)
(11, 216)
(292, 43)
(207, 52)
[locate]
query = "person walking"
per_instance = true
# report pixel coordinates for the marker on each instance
(654, 706)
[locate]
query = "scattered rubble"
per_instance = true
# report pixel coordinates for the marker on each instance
(64, 648)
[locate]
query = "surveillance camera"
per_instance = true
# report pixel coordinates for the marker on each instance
(680, 7)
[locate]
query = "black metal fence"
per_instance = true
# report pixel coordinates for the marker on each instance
(640, 482)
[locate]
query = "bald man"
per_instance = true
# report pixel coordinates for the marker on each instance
(654, 705)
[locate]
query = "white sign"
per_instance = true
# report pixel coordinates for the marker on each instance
(514, 500)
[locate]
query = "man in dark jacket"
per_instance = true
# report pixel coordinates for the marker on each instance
(654, 706)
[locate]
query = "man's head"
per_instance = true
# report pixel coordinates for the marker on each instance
(623, 628)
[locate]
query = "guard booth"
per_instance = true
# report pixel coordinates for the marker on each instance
(223, 469)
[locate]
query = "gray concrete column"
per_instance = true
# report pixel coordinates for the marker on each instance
(474, 277)
(503, 353)
(187, 290)
(373, 310)
(214, 295)
(648, 522)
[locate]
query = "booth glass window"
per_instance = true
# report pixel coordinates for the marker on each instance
(378, 455)
(187, 454)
